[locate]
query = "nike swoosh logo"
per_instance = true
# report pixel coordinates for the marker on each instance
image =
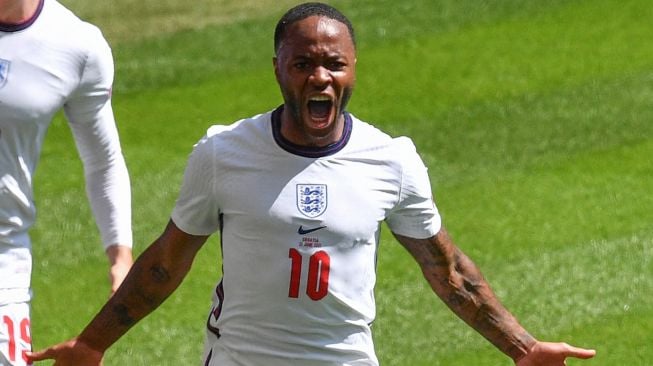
(302, 231)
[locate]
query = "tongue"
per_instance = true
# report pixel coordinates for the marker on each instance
(319, 109)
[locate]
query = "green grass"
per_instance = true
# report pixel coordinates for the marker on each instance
(533, 117)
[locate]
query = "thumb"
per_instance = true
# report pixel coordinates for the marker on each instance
(580, 352)
(45, 354)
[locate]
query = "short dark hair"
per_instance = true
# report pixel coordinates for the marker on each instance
(305, 10)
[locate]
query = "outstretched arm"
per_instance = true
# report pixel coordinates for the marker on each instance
(154, 276)
(460, 284)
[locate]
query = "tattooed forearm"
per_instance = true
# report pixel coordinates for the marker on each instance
(519, 345)
(159, 274)
(119, 305)
(122, 313)
(472, 299)
(146, 281)
(460, 284)
(156, 273)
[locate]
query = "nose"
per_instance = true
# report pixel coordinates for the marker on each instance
(320, 76)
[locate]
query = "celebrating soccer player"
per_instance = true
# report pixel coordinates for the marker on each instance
(298, 195)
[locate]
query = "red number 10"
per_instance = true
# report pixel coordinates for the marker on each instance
(317, 285)
(24, 336)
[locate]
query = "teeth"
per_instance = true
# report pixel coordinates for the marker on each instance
(320, 98)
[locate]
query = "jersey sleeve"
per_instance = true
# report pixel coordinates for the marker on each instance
(415, 214)
(196, 211)
(92, 122)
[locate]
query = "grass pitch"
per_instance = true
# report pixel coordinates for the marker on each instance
(533, 117)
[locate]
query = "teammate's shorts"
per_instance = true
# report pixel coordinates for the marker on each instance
(15, 334)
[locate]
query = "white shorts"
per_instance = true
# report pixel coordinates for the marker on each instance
(15, 334)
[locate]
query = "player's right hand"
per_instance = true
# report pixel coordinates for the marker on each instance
(70, 353)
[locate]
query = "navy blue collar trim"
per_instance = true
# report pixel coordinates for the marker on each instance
(309, 151)
(19, 27)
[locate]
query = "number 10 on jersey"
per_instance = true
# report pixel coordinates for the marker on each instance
(317, 282)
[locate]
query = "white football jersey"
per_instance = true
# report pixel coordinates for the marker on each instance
(55, 60)
(299, 235)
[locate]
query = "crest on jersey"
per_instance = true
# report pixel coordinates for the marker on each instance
(4, 71)
(312, 199)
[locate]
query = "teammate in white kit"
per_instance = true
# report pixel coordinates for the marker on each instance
(50, 59)
(298, 196)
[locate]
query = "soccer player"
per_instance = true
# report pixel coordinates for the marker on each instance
(50, 59)
(298, 195)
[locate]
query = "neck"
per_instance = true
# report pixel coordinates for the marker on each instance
(294, 132)
(17, 11)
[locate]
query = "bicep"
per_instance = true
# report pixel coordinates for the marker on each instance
(433, 252)
(176, 247)
(168, 259)
(447, 269)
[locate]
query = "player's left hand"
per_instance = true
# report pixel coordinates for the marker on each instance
(553, 354)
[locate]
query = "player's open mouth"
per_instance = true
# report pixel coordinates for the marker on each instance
(319, 108)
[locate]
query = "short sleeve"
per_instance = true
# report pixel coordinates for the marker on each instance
(196, 211)
(415, 214)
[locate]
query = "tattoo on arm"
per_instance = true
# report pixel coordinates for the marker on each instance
(460, 284)
(122, 312)
(159, 274)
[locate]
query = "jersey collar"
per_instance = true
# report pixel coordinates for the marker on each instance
(20, 26)
(309, 151)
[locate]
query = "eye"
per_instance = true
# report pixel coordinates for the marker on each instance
(301, 65)
(336, 65)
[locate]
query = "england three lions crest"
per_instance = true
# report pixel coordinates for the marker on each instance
(4, 72)
(312, 199)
